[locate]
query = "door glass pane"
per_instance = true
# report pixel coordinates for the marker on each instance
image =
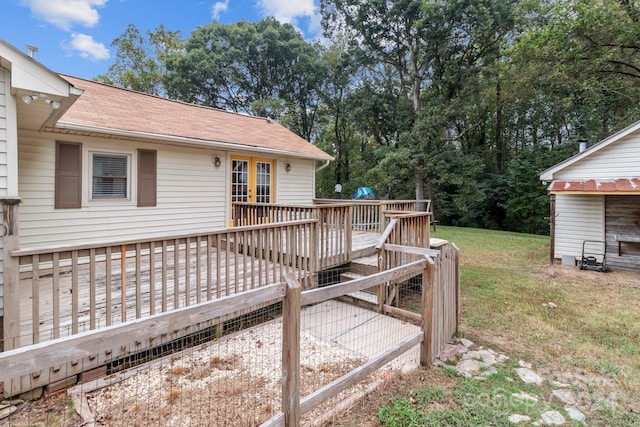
(263, 182)
(239, 181)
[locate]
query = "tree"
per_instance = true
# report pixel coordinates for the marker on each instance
(140, 62)
(264, 68)
(434, 47)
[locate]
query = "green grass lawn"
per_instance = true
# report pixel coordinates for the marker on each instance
(591, 337)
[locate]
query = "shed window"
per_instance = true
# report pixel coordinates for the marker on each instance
(110, 176)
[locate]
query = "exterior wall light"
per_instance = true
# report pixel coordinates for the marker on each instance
(287, 166)
(216, 161)
(28, 99)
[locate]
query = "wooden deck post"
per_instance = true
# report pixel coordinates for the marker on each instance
(291, 352)
(428, 282)
(11, 275)
(349, 230)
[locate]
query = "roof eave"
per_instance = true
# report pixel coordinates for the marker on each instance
(548, 174)
(185, 141)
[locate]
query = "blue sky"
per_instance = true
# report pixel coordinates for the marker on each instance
(74, 36)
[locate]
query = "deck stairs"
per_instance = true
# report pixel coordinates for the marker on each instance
(358, 268)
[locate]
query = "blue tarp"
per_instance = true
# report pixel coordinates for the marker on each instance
(364, 193)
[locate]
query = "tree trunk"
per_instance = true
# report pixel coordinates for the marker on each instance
(499, 136)
(420, 176)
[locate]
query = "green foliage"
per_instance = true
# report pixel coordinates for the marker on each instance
(398, 413)
(264, 68)
(140, 62)
(429, 395)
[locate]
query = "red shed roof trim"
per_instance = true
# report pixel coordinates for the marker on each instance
(621, 185)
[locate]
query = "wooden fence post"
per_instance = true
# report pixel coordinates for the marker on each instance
(428, 282)
(291, 352)
(11, 274)
(456, 273)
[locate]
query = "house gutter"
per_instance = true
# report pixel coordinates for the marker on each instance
(178, 140)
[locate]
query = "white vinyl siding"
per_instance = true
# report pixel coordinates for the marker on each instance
(3, 170)
(295, 187)
(3, 132)
(578, 218)
(191, 196)
(618, 160)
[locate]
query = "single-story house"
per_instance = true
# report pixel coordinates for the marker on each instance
(595, 196)
(87, 162)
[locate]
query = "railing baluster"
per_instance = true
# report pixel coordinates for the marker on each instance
(227, 267)
(138, 281)
(187, 272)
(209, 267)
(56, 295)
(123, 283)
(198, 269)
(218, 266)
(164, 276)
(74, 292)
(92, 288)
(35, 299)
(152, 278)
(107, 284)
(176, 273)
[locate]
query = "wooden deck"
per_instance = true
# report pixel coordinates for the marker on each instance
(100, 301)
(99, 287)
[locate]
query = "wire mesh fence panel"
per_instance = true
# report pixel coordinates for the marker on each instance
(233, 380)
(339, 338)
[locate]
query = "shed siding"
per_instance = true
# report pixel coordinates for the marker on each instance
(191, 195)
(295, 187)
(623, 219)
(578, 218)
(619, 160)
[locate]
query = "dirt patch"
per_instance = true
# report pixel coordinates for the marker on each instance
(573, 275)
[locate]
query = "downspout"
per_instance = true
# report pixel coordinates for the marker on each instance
(323, 166)
(314, 176)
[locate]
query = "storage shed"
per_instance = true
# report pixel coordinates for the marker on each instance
(595, 195)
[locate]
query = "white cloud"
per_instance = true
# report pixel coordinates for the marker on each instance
(65, 13)
(293, 12)
(218, 8)
(288, 11)
(88, 48)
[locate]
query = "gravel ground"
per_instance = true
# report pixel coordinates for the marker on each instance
(234, 381)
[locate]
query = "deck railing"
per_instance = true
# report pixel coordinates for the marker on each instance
(334, 228)
(369, 215)
(72, 289)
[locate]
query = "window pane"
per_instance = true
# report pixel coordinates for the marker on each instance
(239, 181)
(263, 184)
(109, 177)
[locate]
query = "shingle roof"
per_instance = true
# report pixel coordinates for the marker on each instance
(109, 108)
